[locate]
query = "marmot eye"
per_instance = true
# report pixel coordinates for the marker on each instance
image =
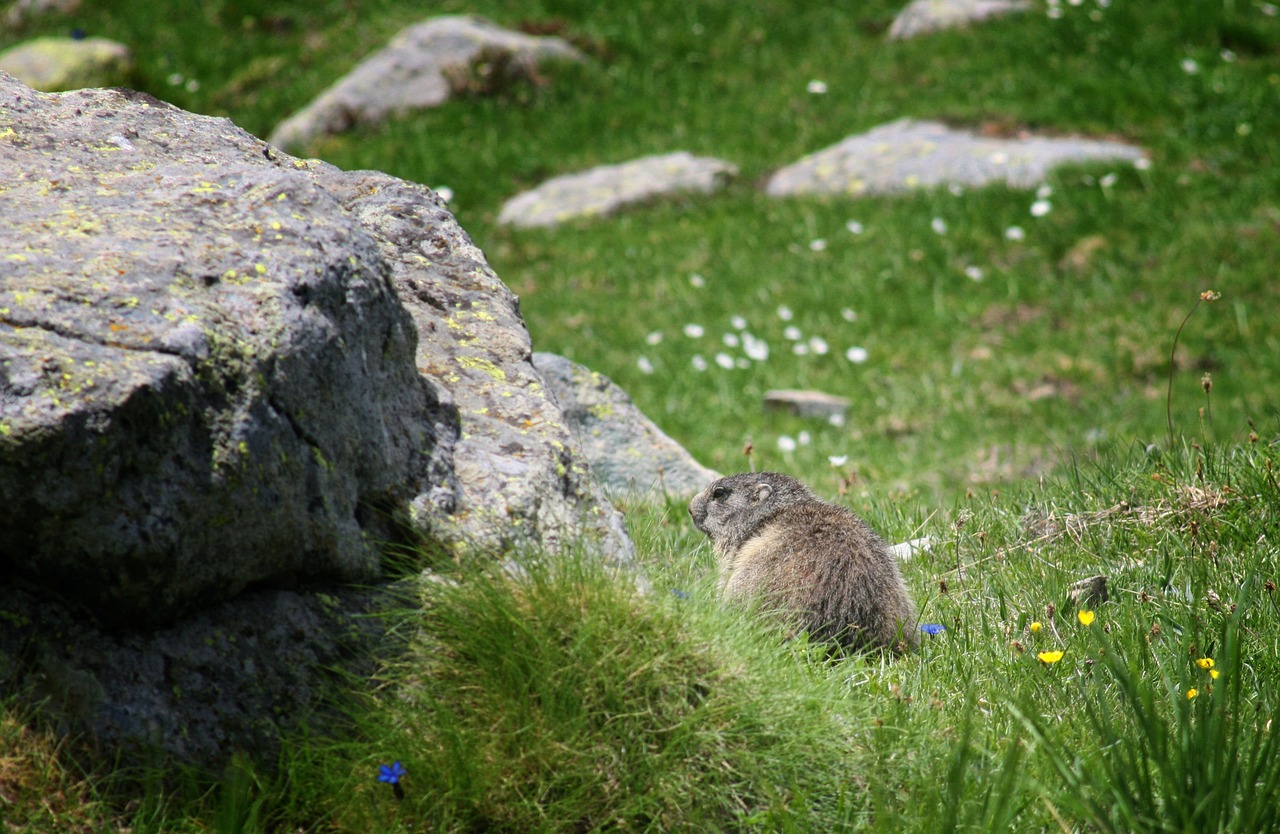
(719, 492)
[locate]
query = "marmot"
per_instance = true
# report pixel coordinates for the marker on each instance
(812, 560)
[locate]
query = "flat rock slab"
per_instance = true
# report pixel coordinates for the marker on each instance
(604, 190)
(412, 73)
(908, 154)
(629, 455)
(55, 64)
(806, 403)
(923, 16)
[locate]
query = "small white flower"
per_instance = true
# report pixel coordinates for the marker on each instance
(856, 355)
(697, 280)
(848, 314)
(1044, 192)
(1268, 9)
(939, 225)
(786, 443)
(645, 366)
(699, 364)
(999, 157)
(956, 189)
(730, 339)
(725, 361)
(1189, 66)
(175, 79)
(836, 419)
(742, 362)
(653, 338)
(1228, 56)
(818, 345)
(1014, 233)
(817, 87)
(193, 86)
(1108, 180)
(1075, 2)
(444, 192)
(792, 333)
(1104, 4)
(693, 331)
(800, 349)
(818, 245)
(1040, 208)
(738, 322)
(805, 438)
(1142, 163)
(784, 313)
(974, 272)
(837, 460)
(1054, 12)
(756, 349)
(854, 227)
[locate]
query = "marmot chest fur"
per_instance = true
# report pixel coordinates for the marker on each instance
(814, 561)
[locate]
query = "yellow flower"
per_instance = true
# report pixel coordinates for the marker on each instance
(1085, 617)
(1191, 693)
(1035, 627)
(1205, 663)
(1049, 657)
(1213, 673)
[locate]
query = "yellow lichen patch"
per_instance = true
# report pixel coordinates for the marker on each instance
(7, 132)
(475, 363)
(204, 188)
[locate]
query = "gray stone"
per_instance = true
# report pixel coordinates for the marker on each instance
(629, 454)
(22, 11)
(228, 679)
(1091, 591)
(54, 64)
(604, 190)
(210, 379)
(225, 373)
(806, 403)
(412, 73)
(907, 154)
(923, 16)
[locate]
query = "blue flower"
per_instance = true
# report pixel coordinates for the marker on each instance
(680, 594)
(932, 629)
(391, 773)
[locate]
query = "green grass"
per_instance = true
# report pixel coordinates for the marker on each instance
(1019, 419)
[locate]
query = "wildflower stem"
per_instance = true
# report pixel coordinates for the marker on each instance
(1168, 400)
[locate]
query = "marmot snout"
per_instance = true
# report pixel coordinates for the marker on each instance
(816, 562)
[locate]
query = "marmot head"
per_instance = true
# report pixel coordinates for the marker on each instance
(733, 507)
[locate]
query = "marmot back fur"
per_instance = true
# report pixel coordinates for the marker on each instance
(814, 561)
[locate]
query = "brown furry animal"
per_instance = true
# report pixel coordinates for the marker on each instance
(818, 563)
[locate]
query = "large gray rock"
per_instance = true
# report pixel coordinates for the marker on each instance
(908, 154)
(225, 370)
(210, 379)
(53, 64)
(608, 188)
(923, 16)
(629, 454)
(412, 73)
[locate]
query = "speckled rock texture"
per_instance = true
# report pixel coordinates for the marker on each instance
(411, 73)
(923, 16)
(207, 380)
(608, 188)
(55, 64)
(908, 154)
(225, 375)
(629, 454)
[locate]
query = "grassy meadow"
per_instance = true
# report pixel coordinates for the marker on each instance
(1046, 394)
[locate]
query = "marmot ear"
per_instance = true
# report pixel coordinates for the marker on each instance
(760, 493)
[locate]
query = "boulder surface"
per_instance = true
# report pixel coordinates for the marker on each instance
(909, 154)
(412, 73)
(629, 454)
(226, 375)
